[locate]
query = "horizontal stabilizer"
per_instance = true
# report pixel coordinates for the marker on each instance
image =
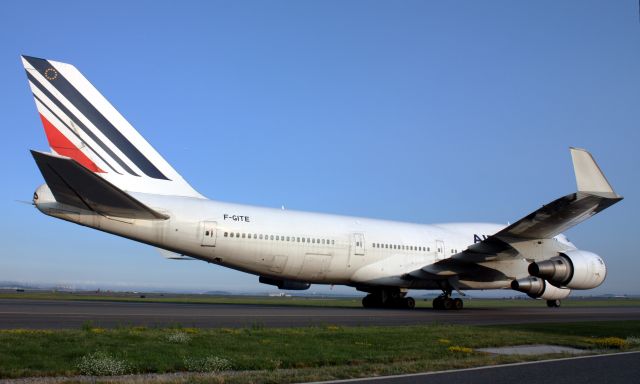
(75, 185)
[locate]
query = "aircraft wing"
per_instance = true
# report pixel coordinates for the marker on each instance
(75, 185)
(594, 195)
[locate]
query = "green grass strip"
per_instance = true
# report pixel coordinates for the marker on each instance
(357, 350)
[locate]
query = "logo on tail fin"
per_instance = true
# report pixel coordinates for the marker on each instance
(51, 74)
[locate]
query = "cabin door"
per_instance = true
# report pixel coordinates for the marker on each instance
(209, 233)
(357, 244)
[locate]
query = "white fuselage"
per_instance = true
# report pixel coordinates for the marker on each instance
(293, 245)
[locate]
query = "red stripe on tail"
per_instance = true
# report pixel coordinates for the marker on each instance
(59, 143)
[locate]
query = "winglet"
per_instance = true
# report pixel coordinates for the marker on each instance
(589, 177)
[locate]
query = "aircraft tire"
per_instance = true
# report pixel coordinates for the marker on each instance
(458, 303)
(409, 303)
(448, 304)
(553, 303)
(437, 303)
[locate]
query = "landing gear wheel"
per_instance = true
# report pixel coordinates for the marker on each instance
(388, 299)
(553, 303)
(369, 301)
(444, 302)
(409, 303)
(448, 303)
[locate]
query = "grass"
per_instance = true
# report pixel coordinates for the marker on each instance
(302, 300)
(258, 354)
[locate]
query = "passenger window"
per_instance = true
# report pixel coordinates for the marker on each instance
(298, 239)
(303, 240)
(271, 237)
(226, 234)
(308, 240)
(428, 249)
(333, 242)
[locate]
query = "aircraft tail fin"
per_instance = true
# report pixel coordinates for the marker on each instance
(75, 185)
(81, 124)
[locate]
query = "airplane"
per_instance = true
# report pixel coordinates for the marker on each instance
(101, 173)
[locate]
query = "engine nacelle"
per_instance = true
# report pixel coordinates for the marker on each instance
(572, 269)
(285, 284)
(538, 288)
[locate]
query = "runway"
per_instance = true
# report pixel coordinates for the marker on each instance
(59, 314)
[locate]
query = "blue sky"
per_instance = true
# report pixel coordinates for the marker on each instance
(415, 111)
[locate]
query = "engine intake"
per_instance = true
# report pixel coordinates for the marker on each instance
(539, 289)
(572, 269)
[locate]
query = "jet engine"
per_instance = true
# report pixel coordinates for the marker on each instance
(539, 289)
(572, 269)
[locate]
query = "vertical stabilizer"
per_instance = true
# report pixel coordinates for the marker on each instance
(81, 124)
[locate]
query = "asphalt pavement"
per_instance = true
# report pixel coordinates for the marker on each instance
(619, 368)
(58, 314)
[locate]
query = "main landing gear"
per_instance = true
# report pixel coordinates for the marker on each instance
(445, 301)
(388, 299)
(553, 303)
